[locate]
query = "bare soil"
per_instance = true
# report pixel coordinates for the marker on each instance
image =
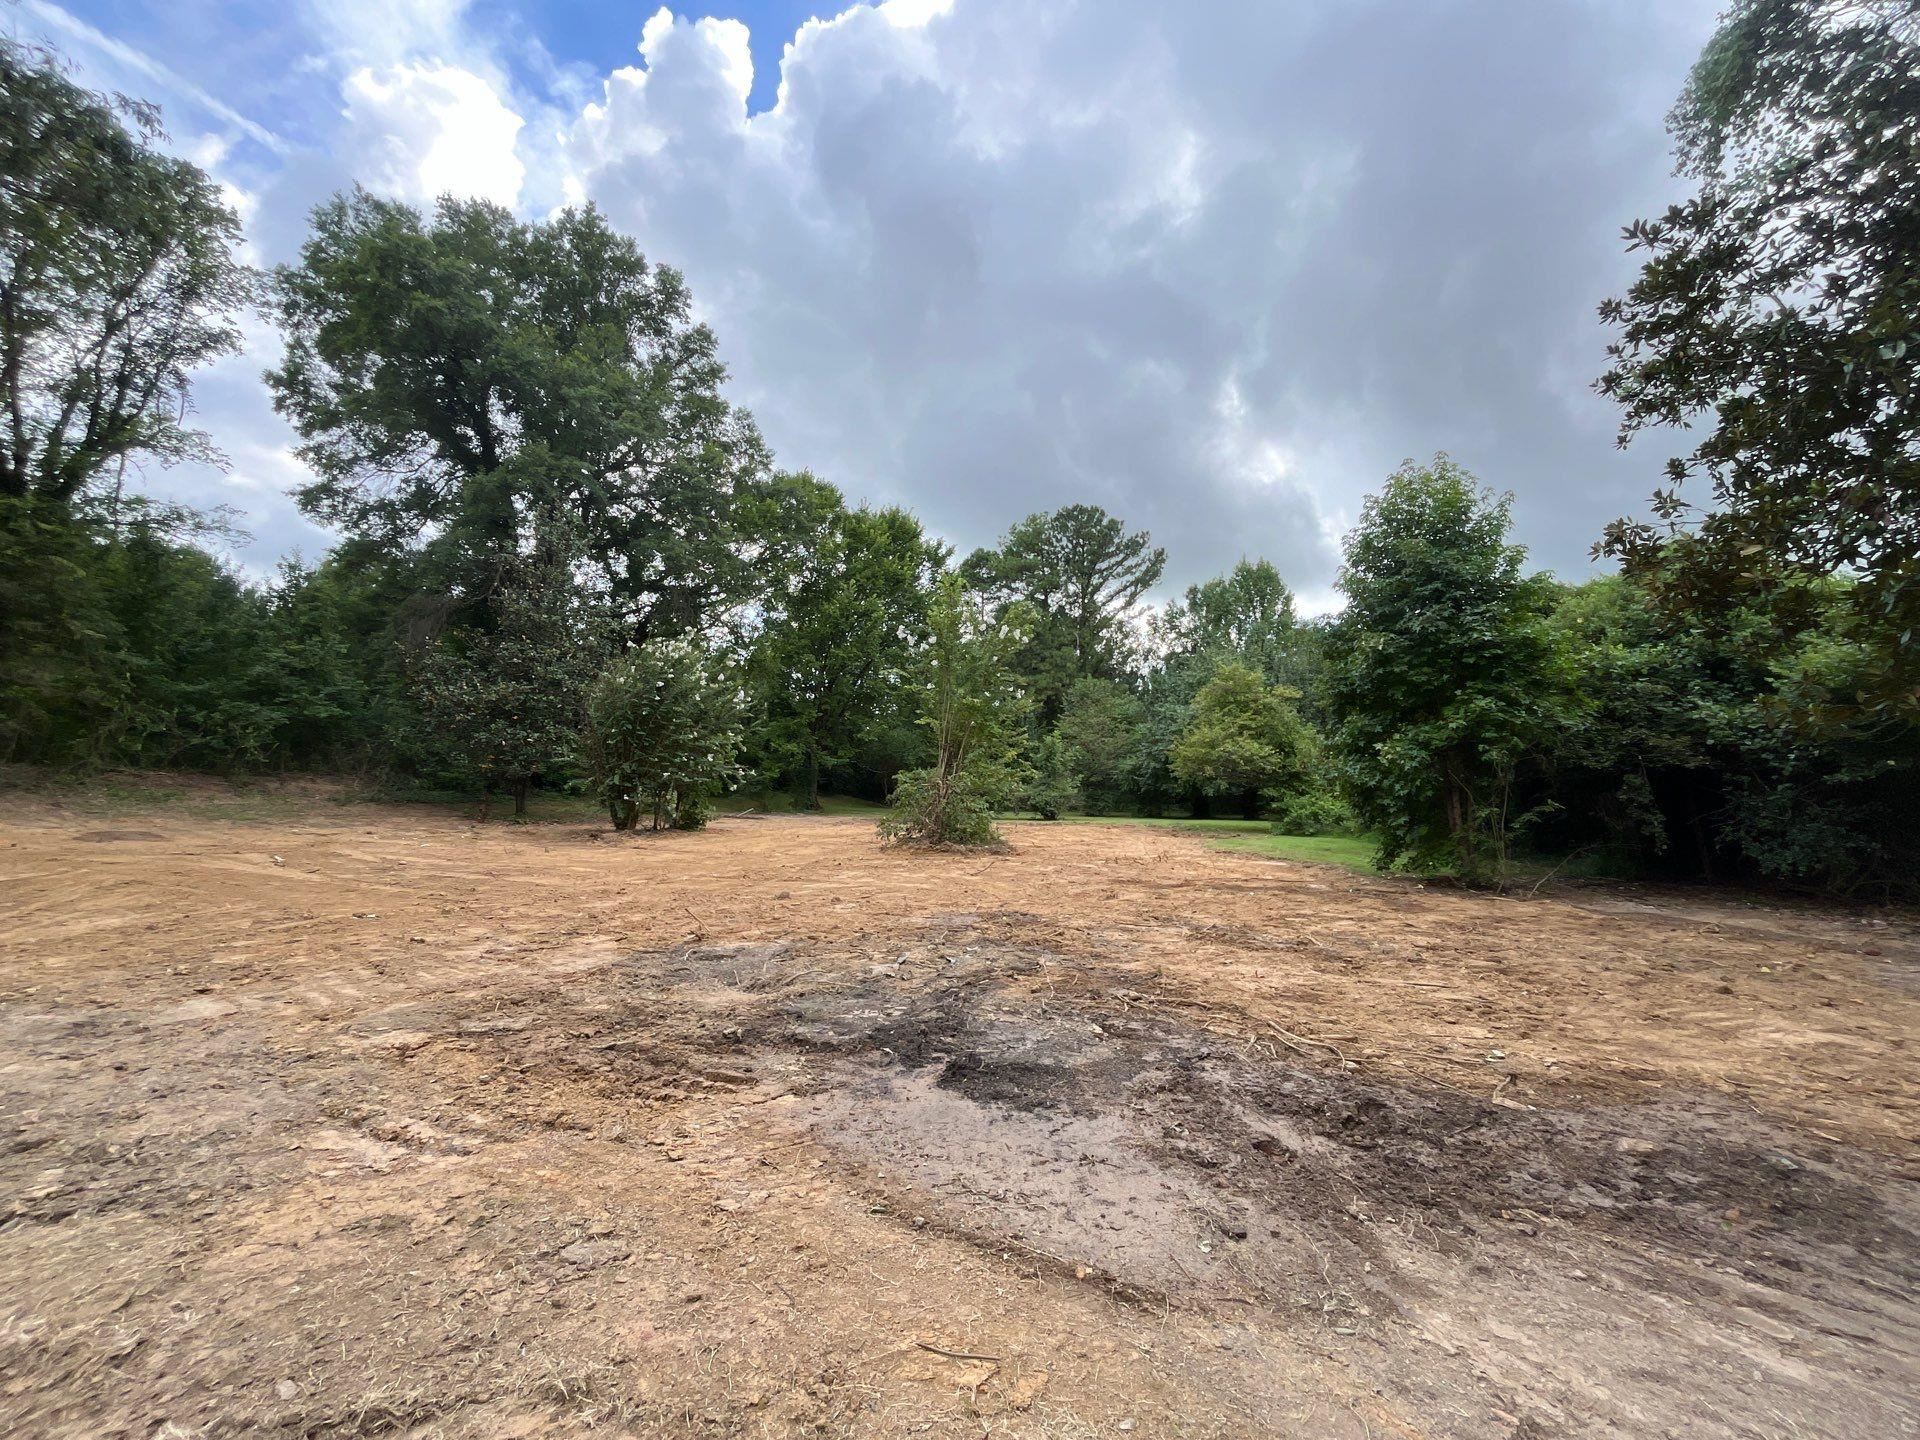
(353, 1121)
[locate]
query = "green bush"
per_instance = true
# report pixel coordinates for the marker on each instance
(930, 808)
(1313, 810)
(663, 735)
(972, 707)
(1051, 787)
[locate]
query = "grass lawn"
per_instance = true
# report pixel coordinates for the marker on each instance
(1355, 852)
(1256, 837)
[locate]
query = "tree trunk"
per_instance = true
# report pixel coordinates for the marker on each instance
(520, 788)
(813, 778)
(1700, 844)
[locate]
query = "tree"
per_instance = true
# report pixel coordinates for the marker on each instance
(1244, 738)
(117, 279)
(1246, 614)
(61, 680)
(459, 376)
(505, 704)
(663, 735)
(1099, 734)
(1050, 785)
(1711, 750)
(1082, 574)
(830, 666)
(972, 707)
(1780, 303)
(1444, 674)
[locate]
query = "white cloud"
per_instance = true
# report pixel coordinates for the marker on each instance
(382, 32)
(423, 130)
(984, 257)
(987, 258)
(137, 62)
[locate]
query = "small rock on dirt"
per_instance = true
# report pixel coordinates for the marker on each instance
(589, 1254)
(401, 1042)
(1026, 1390)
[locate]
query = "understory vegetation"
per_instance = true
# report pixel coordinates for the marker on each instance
(566, 560)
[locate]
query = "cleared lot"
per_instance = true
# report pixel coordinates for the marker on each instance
(355, 1121)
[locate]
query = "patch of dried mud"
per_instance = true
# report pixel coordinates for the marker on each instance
(971, 1089)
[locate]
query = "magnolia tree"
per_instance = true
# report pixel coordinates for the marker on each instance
(663, 735)
(501, 706)
(973, 707)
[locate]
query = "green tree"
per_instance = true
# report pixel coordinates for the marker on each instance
(460, 376)
(1444, 675)
(663, 735)
(973, 709)
(1081, 574)
(504, 705)
(61, 677)
(117, 279)
(1246, 614)
(1245, 739)
(1778, 318)
(1050, 786)
(1723, 749)
(829, 668)
(307, 663)
(1099, 733)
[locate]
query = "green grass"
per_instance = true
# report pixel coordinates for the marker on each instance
(1354, 852)
(1256, 837)
(1215, 827)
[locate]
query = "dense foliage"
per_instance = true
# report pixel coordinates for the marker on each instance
(1444, 676)
(1778, 316)
(455, 377)
(1244, 739)
(117, 278)
(829, 666)
(1079, 574)
(662, 735)
(567, 560)
(501, 706)
(972, 705)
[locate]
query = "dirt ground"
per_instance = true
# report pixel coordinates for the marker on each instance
(355, 1121)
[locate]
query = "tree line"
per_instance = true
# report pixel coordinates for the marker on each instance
(566, 559)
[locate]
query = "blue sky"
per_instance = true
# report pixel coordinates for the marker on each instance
(602, 36)
(1218, 268)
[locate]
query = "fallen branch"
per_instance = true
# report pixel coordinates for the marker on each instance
(955, 1354)
(1294, 1042)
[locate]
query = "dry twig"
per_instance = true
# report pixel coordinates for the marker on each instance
(955, 1354)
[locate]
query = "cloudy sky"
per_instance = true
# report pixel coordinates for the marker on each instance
(1216, 266)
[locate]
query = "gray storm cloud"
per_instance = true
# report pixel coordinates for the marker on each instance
(1217, 268)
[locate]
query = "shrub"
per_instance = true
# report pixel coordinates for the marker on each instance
(663, 734)
(1051, 788)
(972, 706)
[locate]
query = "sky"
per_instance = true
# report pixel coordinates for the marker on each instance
(1218, 267)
